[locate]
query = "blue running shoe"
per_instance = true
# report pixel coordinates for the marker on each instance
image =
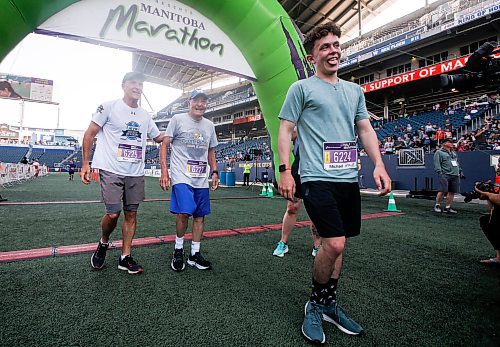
(312, 328)
(281, 249)
(335, 314)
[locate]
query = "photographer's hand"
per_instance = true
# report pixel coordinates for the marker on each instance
(494, 198)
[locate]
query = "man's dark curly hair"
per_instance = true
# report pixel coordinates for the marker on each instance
(319, 32)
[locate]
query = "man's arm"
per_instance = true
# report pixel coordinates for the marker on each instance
(437, 163)
(286, 185)
(213, 166)
(88, 140)
(492, 197)
(159, 138)
(164, 177)
(370, 143)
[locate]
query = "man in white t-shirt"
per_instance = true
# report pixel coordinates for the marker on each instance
(192, 139)
(122, 128)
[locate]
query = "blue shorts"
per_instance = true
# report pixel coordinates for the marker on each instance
(188, 200)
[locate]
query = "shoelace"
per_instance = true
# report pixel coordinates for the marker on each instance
(178, 256)
(318, 318)
(101, 250)
(130, 261)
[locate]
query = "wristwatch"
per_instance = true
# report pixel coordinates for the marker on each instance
(215, 172)
(283, 168)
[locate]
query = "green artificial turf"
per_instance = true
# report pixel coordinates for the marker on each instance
(410, 280)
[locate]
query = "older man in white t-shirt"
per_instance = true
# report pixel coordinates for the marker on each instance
(192, 139)
(122, 128)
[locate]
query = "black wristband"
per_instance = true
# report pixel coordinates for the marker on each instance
(216, 172)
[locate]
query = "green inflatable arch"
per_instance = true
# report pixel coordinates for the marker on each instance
(261, 29)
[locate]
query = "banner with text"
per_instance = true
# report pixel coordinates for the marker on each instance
(248, 119)
(428, 71)
(166, 28)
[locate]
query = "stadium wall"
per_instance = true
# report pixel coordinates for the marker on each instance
(476, 166)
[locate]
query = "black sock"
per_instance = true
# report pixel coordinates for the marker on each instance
(323, 294)
(332, 288)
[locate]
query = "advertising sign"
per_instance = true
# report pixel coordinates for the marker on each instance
(428, 71)
(21, 87)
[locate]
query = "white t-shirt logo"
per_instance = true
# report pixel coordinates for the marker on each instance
(132, 132)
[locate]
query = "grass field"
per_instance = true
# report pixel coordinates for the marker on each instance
(410, 280)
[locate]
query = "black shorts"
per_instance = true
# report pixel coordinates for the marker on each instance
(334, 207)
(298, 186)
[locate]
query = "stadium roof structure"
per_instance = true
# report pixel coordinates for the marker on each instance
(306, 13)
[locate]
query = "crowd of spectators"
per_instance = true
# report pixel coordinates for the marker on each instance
(485, 138)
(427, 136)
(249, 150)
(430, 135)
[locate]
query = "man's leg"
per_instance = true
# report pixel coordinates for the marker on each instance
(453, 187)
(326, 260)
(128, 231)
(289, 219)
(439, 198)
(316, 240)
(181, 224)
(183, 205)
(112, 188)
(449, 199)
(321, 295)
(202, 200)
(126, 262)
(489, 224)
(108, 224)
(198, 225)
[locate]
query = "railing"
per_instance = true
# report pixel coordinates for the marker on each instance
(16, 173)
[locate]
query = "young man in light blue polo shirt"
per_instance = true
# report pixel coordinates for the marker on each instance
(328, 112)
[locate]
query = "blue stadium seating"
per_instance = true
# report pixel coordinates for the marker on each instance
(12, 154)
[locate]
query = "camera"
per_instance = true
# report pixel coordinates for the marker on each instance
(481, 69)
(487, 187)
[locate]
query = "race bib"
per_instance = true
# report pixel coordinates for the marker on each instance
(129, 153)
(340, 155)
(454, 163)
(195, 168)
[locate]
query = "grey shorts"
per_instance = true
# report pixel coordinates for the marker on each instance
(449, 183)
(118, 189)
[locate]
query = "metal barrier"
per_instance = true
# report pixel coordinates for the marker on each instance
(18, 173)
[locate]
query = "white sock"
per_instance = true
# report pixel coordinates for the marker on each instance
(123, 256)
(179, 242)
(103, 241)
(195, 247)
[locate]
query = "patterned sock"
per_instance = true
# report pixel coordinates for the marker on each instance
(332, 288)
(321, 293)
